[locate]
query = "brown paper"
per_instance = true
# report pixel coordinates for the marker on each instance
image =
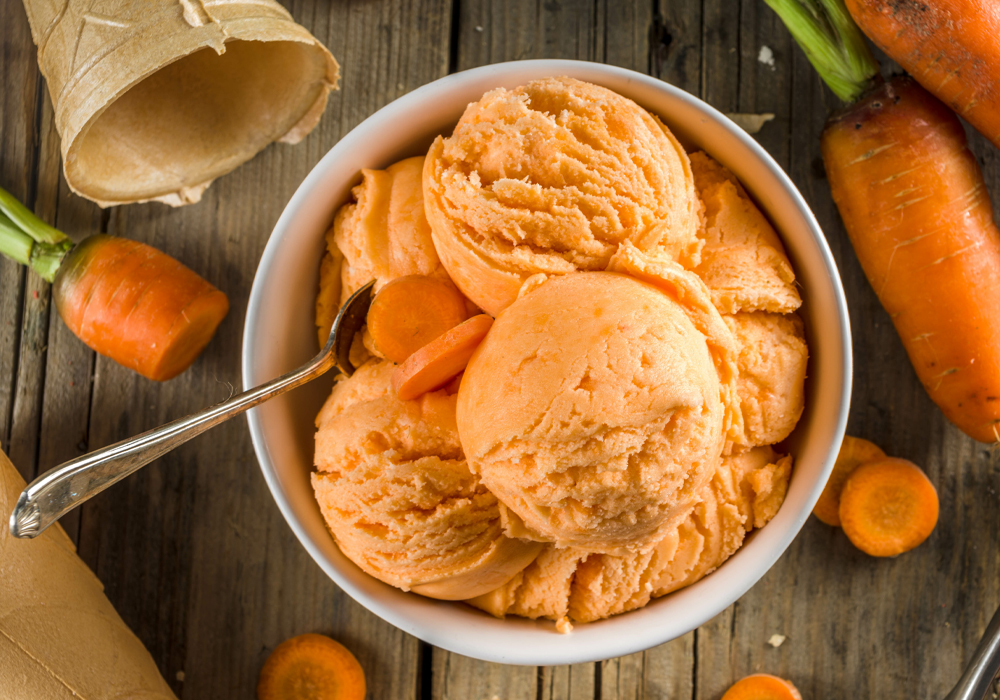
(154, 99)
(59, 635)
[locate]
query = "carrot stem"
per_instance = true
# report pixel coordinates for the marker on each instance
(26, 220)
(26, 239)
(15, 243)
(832, 43)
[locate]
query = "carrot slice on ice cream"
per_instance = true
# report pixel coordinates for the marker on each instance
(410, 312)
(435, 364)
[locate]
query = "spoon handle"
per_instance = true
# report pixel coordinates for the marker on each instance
(59, 490)
(982, 669)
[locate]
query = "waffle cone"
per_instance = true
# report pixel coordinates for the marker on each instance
(154, 99)
(59, 635)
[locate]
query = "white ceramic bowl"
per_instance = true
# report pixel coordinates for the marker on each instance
(280, 335)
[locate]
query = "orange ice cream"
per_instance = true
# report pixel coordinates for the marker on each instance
(744, 493)
(611, 438)
(397, 494)
(597, 408)
(772, 366)
(550, 178)
(381, 235)
(743, 262)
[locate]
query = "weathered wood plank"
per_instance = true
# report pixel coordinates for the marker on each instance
(18, 143)
(61, 374)
(676, 44)
(765, 85)
(575, 682)
(665, 671)
(458, 677)
(624, 30)
(720, 45)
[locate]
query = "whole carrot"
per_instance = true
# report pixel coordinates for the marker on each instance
(124, 299)
(951, 47)
(915, 207)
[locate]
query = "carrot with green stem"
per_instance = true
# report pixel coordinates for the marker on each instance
(124, 299)
(915, 207)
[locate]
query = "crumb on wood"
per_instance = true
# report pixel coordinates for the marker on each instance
(777, 640)
(766, 56)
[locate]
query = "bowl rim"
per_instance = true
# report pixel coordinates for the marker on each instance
(647, 636)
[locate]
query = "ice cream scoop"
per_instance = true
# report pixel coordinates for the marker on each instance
(595, 410)
(772, 364)
(550, 178)
(743, 262)
(744, 493)
(395, 490)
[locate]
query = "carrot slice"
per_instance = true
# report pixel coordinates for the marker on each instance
(888, 507)
(410, 312)
(435, 364)
(853, 453)
(762, 686)
(311, 666)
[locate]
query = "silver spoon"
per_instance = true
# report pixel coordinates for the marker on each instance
(983, 667)
(59, 490)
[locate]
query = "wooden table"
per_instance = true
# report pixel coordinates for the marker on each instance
(193, 551)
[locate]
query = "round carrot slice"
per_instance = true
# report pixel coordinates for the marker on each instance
(762, 686)
(435, 364)
(410, 312)
(311, 667)
(888, 507)
(853, 453)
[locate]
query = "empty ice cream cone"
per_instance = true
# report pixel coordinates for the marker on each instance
(155, 99)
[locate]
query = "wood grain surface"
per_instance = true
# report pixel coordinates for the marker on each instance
(193, 551)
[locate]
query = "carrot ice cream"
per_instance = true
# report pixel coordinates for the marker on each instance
(614, 436)
(550, 178)
(744, 493)
(395, 489)
(621, 409)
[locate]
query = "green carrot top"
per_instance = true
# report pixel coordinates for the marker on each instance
(832, 43)
(28, 240)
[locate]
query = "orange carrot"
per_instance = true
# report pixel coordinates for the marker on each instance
(916, 209)
(435, 364)
(311, 666)
(410, 312)
(853, 453)
(761, 686)
(915, 206)
(949, 46)
(136, 305)
(124, 299)
(888, 507)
